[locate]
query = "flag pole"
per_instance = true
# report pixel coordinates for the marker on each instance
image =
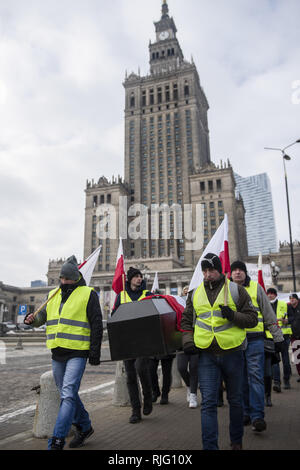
(123, 282)
(226, 290)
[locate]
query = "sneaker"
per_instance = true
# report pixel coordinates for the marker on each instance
(277, 388)
(259, 425)
(135, 417)
(57, 443)
(80, 437)
(193, 401)
(188, 394)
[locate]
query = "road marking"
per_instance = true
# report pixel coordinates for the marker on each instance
(28, 409)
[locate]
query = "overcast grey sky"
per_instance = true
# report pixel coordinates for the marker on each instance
(62, 64)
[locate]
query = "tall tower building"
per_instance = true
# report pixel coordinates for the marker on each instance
(167, 162)
(260, 222)
(166, 129)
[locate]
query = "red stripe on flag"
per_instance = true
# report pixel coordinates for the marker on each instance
(117, 283)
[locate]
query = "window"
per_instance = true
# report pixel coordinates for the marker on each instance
(108, 199)
(175, 92)
(210, 186)
(95, 201)
(144, 98)
(132, 100)
(159, 95)
(102, 199)
(219, 185)
(202, 187)
(151, 96)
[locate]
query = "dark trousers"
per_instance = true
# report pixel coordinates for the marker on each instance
(138, 368)
(166, 366)
(187, 365)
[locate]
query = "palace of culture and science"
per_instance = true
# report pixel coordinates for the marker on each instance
(167, 161)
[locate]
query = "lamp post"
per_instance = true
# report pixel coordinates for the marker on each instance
(284, 158)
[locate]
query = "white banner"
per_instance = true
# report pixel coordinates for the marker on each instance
(266, 269)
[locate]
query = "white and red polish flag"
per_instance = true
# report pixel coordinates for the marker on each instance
(220, 247)
(119, 277)
(87, 267)
(260, 278)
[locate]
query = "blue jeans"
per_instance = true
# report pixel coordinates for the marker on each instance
(286, 365)
(254, 386)
(67, 376)
(211, 367)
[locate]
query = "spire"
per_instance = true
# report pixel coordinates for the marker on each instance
(165, 9)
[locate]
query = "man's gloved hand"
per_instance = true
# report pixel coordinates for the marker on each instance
(227, 312)
(190, 349)
(94, 361)
(279, 347)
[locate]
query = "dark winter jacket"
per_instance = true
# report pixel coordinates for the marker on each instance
(294, 320)
(94, 316)
(244, 317)
(133, 294)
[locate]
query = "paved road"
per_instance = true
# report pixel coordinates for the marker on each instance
(21, 372)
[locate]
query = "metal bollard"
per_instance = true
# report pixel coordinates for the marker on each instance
(120, 396)
(47, 407)
(176, 377)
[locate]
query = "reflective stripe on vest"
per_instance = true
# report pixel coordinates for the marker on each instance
(70, 328)
(210, 323)
(125, 298)
(252, 291)
(281, 312)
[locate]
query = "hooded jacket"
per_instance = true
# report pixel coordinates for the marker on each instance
(95, 320)
(133, 294)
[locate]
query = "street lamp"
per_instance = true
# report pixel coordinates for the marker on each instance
(284, 158)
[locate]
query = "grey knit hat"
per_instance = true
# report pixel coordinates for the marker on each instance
(69, 269)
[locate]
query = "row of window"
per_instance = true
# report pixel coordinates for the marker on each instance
(210, 186)
(159, 95)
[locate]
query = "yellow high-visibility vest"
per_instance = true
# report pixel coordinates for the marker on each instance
(210, 323)
(252, 291)
(125, 298)
(69, 329)
(281, 311)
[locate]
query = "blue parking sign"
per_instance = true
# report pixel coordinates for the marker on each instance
(22, 310)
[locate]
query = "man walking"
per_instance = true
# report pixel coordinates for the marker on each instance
(135, 290)
(294, 320)
(218, 335)
(280, 309)
(254, 383)
(74, 334)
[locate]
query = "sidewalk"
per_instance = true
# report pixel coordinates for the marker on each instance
(176, 427)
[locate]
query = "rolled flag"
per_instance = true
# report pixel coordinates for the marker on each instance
(87, 267)
(260, 278)
(219, 246)
(155, 286)
(119, 277)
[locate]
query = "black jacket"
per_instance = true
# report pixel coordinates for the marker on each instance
(133, 294)
(294, 320)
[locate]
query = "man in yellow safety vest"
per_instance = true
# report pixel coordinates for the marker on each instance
(254, 372)
(214, 321)
(135, 290)
(280, 308)
(74, 335)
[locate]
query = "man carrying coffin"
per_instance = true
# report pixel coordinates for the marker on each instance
(216, 315)
(135, 289)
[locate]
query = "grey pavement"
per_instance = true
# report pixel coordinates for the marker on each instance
(175, 427)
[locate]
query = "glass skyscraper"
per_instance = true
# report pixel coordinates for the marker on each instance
(260, 223)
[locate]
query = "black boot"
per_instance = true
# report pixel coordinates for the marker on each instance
(80, 437)
(268, 401)
(135, 417)
(57, 443)
(164, 399)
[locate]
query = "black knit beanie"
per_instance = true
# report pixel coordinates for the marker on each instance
(132, 272)
(69, 269)
(211, 261)
(238, 265)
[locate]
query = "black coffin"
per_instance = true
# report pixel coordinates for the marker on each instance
(141, 329)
